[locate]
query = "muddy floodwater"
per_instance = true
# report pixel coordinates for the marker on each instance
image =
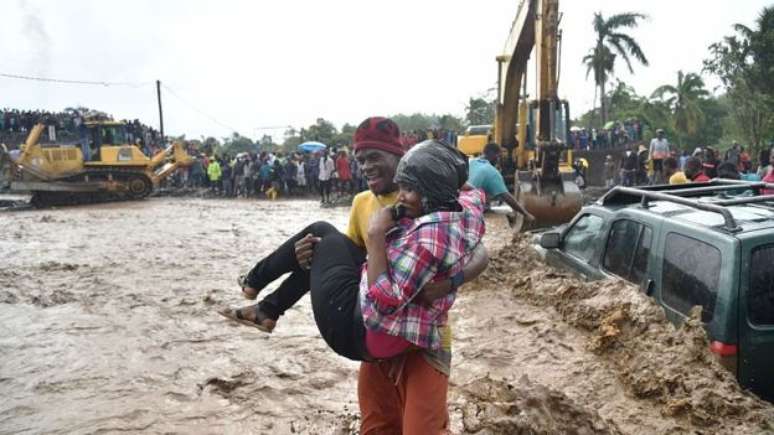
(108, 323)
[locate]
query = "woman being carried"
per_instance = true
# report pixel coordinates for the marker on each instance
(363, 301)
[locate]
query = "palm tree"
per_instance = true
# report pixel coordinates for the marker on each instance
(683, 100)
(612, 43)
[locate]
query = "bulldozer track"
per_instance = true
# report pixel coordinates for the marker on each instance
(136, 185)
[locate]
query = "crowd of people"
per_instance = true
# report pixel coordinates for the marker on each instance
(660, 163)
(615, 135)
(68, 126)
(330, 174)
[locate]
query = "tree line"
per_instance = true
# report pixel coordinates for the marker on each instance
(741, 109)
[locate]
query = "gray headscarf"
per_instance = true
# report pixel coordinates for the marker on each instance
(437, 171)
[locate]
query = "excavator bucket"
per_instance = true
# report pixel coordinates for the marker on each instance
(551, 202)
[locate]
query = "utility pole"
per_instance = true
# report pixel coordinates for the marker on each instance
(161, 113)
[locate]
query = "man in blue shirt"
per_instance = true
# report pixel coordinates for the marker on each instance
(484, 175)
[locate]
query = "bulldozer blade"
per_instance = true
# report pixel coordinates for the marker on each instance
(550, 203)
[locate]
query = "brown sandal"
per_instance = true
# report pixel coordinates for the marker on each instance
(263, 323)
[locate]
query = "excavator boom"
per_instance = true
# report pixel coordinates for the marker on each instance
(539, 143)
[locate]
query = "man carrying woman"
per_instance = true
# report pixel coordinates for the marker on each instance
(392, 310)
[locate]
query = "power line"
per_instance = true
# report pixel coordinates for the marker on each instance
(196, 109)
(74, 82)
(275, 127)
(129, 84)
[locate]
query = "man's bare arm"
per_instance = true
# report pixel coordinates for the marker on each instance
(515, 206)
(479, 260)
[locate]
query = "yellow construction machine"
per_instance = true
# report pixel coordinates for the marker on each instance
(474, 139)
(60, 174)
(535, 133)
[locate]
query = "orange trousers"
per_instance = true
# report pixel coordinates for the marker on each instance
(407, 400)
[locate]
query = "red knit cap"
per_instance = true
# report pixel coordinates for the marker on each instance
(379, 133)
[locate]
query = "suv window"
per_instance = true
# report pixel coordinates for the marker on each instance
(760, 295)
(690, 277)
(579, 240)
(620, 258)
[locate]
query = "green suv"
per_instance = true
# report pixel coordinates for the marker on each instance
(708, 244)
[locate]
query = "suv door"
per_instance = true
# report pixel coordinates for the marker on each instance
(579, 246)
(627, 251)
(756, 325)
(690, 276)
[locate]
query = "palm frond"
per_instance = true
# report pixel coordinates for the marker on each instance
(632, 46)
(743, 30)
(626, 19)
(616, 43)
(598, 22)
(664, 89)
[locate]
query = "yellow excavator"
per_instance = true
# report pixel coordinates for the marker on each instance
(111, 168)
(535, 133)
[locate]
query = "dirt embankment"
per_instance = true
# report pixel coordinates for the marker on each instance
(667, 368)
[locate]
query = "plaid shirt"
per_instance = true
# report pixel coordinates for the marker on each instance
(430, 248)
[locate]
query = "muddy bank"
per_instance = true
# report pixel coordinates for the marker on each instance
(108, 323)
(657, 365)
(499, 407)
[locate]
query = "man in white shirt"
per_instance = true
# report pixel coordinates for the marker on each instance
(659, 150)
(327, 168)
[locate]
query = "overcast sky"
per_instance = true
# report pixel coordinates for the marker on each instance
(247, 65)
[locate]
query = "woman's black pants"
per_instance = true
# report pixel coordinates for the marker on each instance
(333, 282)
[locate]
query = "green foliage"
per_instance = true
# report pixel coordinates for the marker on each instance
(744, 63)
(293, 139)
(479, 111)
(344, 137)
(423, 122)
(416, 121)
(324, 131)
(684, 101)
(236, 144)
(625, 104)
(321, 131)
(611, 44)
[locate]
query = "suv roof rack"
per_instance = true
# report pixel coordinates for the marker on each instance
(681, 193)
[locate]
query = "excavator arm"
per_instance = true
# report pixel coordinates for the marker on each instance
(511, 70)
(539, 185)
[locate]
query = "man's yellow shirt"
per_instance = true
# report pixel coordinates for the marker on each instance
(364, 205)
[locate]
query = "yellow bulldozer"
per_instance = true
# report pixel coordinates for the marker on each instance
(105, 165)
